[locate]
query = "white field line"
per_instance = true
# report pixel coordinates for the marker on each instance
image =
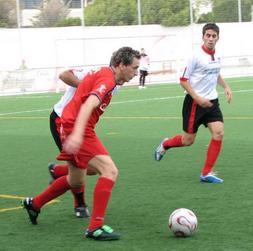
(122, 102)
(144, 100)
(20, 112)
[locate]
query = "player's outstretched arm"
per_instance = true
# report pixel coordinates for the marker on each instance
(69, 78)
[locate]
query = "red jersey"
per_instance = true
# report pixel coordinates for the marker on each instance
(100, 83)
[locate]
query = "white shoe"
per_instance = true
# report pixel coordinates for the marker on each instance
(160, 151)
(211, 178)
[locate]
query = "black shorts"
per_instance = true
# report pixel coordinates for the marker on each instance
(54, 128)
(195, 115)
(143, 73)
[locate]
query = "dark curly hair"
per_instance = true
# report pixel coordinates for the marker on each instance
(124, 55)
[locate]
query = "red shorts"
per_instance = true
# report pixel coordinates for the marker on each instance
(90, 147)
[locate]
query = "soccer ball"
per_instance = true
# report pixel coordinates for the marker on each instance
(183, 222)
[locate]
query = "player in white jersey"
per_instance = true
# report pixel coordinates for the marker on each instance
(201, 104)
(143, 69)
(72, 78)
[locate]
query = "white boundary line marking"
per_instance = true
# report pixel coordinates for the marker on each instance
(123, 102)
(11, 113)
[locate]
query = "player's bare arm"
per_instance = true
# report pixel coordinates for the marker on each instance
(226, 87)
(74, 140)
(69, 78)
(203, 102)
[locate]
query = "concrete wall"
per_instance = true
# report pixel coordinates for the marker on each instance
(54, 47)
(46, 51)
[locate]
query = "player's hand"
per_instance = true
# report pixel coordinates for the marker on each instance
(228, 94)
(203, 102)
(72, 143)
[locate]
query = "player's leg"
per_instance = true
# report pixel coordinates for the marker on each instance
(140, 78)
(54, 122)
(214, 122)
(213, 152)
(190, 126)
(179, 140)
(59, 170)
(56, 170)
(144, 79)
(55, 189)
(80, 206)
(102, 192)
(76, 176)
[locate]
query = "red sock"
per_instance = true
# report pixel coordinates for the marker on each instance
(176, 141)
(213, 152)
(78, 193)
(55, 189)
(101, 197)
(60, 170)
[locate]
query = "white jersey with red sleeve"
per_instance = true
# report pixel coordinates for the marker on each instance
(202, 71)
(100, 83)
(69, 93)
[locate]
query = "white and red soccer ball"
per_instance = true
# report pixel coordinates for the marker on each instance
(183, 222)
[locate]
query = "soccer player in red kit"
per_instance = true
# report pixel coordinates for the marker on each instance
(201, 104)
(81, 146)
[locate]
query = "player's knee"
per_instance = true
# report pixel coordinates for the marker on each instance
(218, 135)
(76, 182)
(115, 173)
(111, 172)
(188, 142)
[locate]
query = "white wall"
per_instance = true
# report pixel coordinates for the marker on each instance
(53, 49)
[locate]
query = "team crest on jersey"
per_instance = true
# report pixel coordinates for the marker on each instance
(101, 89)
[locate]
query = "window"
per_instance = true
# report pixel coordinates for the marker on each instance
(73, 3)
(35, 4)
(30, 4)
